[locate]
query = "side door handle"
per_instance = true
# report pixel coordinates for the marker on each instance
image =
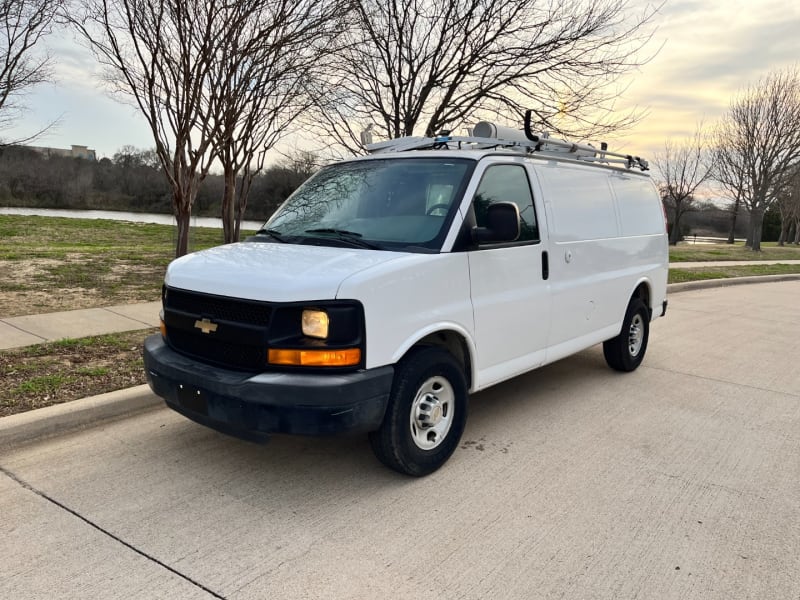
(545, 265)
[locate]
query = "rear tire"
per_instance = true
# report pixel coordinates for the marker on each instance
(626, 351)
(426, 414)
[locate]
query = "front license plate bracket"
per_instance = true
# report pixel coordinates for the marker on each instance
(193, 399)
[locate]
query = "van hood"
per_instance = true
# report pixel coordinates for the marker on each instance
(272, 272)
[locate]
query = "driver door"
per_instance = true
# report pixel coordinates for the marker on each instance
(510, 292)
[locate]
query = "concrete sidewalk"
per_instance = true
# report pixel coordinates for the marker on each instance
(35, 329)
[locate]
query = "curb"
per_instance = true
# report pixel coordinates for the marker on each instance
(676, 288)
(75, 415)
(71, 416)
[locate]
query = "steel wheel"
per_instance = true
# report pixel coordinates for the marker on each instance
(635, 335)
(432, 413)
(625, 352)
(426, 412)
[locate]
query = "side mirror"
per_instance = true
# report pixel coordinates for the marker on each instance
(502, 224)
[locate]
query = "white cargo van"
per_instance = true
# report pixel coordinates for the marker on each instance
(389, 287)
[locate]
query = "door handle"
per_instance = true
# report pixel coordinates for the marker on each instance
(545, 265)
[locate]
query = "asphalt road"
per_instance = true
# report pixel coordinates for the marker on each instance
(681, 480)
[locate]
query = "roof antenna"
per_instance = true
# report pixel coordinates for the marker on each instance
(528, 131)
(366, 135)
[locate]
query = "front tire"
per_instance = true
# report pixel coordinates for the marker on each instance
(426, 413)
(626, 351)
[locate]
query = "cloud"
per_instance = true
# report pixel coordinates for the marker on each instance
(711, 50)
(73, 64)
(743, 55)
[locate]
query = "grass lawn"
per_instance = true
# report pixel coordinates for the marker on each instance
(729, 252)
(712, 252)
(677, 275)
(50, 263)
(56, 372)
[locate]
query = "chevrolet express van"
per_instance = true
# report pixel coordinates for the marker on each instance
(389, 287)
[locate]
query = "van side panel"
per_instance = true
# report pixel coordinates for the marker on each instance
(639, 214)
(579, 203)
(601, 247)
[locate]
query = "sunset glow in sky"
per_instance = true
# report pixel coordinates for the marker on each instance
(711, 49)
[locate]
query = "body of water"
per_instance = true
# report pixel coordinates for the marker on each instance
(114, 215)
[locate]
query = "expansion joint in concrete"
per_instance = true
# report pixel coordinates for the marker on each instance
(25, 485)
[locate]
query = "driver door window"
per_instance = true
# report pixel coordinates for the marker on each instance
(507, 183)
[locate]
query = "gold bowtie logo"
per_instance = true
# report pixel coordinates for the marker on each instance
(206, 326)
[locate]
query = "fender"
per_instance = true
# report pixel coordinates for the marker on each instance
(445, 327)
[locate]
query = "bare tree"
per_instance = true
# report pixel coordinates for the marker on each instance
(757, 142)
(271, 50)
(302, 164)
(788, 204)
(684, 167)
(160, 54)
(421, 66)
(23, 24)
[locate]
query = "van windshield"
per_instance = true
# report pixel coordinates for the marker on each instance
(404, 204)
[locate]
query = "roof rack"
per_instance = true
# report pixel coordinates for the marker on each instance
(486, 135)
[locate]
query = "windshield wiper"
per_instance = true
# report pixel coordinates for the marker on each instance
(351, 237)
(275, 235)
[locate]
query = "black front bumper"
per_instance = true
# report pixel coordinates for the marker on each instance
(251, 406)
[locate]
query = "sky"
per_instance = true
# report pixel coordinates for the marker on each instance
(709, 51)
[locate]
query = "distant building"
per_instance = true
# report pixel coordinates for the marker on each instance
(75, 152)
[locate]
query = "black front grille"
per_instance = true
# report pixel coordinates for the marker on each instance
(217, 307)
(226, 354)
(237, 321)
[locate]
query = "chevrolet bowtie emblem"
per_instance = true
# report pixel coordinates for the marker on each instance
(206, 326)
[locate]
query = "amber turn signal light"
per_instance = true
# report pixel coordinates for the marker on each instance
(346, 357)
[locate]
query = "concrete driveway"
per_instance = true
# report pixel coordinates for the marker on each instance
(681, 480)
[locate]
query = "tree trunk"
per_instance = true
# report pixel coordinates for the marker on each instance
(756, 229)
(675, 234)
(183, 197)
(785, 225)
(241, 201)
(732, 234)
(183, 219)
(229, 229)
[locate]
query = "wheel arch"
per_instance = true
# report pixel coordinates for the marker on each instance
(455, 341)
(644, 291)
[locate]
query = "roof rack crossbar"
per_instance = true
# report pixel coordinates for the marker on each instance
(590, 153)
(526, 142)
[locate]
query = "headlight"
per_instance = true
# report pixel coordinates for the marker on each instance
(315, 323)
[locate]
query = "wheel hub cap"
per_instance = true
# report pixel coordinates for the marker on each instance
(635, 335)
(432, 413)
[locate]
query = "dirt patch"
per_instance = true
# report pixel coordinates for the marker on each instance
(52, 373)
(56, 372)
(42, 285)
(16, 303)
